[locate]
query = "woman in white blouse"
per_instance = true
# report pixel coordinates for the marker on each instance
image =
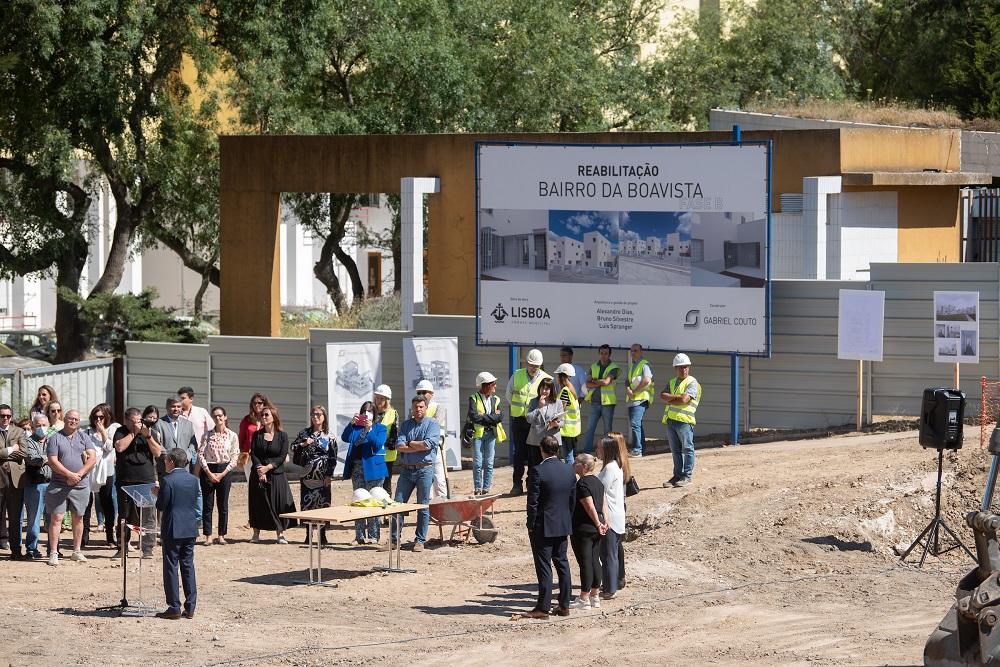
(217, 454)
(610, 450)
(102, 477)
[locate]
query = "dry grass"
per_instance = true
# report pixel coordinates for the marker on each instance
(878, 112)
(382, 313)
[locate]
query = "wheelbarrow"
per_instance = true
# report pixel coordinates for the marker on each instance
(466, 516)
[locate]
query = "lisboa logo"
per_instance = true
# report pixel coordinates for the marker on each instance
(499, 314)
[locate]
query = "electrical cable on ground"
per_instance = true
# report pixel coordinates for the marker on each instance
(506, 627)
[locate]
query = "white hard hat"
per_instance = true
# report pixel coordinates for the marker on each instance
(425, 385)
(682, 360)
(383, 390)
(361, 494)
(567, 370)
(534, 357)
(379, 494)
(484, 378)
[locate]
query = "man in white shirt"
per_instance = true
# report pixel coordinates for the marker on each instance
(198, 417)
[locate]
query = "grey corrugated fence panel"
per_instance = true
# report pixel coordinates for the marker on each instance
(908, 366)
(9, 380)
(80, 386)
(154, 371)
(276, 367)
(803, 384)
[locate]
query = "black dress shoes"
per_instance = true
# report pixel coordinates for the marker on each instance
(169, 615)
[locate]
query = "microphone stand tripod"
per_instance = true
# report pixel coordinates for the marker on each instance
(933, 529)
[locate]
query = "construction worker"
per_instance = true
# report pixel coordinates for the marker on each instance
(521, 388)
(438, 413)
(601, 385)
(572, 426)
(385, 415)
(682, 397)
(639, 393)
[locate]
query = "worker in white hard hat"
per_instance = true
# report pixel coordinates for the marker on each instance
(601, 394)
(439, 413)
(486, 416)
(682, 396)
(521, 388)
(385, 415)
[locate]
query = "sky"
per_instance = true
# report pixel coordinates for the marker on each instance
(619, 224)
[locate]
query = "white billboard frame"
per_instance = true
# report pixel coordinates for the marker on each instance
(561, 257)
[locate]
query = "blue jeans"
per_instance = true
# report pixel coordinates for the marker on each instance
(409, 480)
(635, 413)
(681, 437)
(34, 502)
(597, 412)
(482, 460)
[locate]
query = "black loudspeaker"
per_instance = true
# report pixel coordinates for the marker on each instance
(941, 415)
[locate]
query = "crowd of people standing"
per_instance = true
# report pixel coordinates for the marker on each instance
(51, 468)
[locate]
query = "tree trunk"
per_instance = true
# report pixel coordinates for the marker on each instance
(340, 213)
(326, 274)
(72, 332)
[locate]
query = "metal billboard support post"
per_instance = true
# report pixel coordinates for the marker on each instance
(734, 399)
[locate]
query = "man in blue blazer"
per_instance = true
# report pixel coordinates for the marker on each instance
(177, 501)
(551, 497)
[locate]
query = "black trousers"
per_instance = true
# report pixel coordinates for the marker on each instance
(548, 552)
(14, 504)
(104, 497)
(519, 437)
(587, 547)
(212, 492)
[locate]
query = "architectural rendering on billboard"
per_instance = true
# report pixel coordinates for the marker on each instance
(588, 244)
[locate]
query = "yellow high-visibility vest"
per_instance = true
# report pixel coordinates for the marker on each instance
(636, 370)
(432, 413)
(525, 389)
(571, 424)
(608, 391)
(682, 413)
(388, 419)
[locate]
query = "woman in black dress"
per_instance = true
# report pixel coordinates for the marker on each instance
(270, 495)
(589, 526)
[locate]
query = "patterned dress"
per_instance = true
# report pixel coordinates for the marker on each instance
(318, 460)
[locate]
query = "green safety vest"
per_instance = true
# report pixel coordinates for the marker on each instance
(525, 389)
(607, 392)
(571, 423)
(432, 413)
(388, 419)
(479, 399)
(633, 370)
(682, 413)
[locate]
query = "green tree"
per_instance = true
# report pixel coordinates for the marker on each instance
(426, 66)
(89, 93)
(782, 49)
(972, 76)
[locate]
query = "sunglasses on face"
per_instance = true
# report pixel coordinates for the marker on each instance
(258, 402)
(317, 414)
(6, 416)
(57, 410)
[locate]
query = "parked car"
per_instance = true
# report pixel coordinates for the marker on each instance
(11, 360)
(33, 343)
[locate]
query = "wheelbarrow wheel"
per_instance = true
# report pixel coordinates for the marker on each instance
(483, 530)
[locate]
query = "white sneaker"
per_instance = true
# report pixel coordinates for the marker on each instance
(78, 557)
(579, 603)
(595, 602)
(54, 558)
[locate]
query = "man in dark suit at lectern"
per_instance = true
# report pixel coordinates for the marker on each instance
(177, 501)
(551, 496)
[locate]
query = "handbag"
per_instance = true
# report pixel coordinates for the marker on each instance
(631, 487)
(468, 433)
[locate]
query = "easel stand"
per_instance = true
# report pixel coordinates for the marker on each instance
(933, 529)
(145, 502)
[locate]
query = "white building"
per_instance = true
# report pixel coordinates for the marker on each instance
(597, 250)
(565, 251)
(653, 246)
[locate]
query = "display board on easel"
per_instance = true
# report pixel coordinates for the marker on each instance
(861, 319)
(956, 329)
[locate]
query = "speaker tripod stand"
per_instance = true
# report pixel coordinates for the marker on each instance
(932, 533)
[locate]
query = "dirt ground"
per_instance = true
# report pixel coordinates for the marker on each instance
(779, 553)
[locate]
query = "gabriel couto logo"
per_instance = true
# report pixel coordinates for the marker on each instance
(691, 320)
(499, 314)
